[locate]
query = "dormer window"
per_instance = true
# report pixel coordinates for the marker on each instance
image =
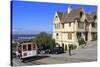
(93, 25)
(81, 13)
(62, 25)
(95, 17)
(57, 35)
(69, 24)
(81, 25)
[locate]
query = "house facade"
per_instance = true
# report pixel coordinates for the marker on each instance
(70, 26)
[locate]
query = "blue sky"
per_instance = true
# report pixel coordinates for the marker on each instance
(34, 17)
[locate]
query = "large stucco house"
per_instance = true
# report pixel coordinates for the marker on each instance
(72, 25)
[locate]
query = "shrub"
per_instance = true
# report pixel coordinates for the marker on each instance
(94, 37)
(81, 42)
(72, 47)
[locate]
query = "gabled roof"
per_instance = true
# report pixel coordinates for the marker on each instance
(90, 16)
(75, 13)
(64, 16)
(60, 15)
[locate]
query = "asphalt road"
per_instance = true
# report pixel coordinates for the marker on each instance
(87, 54)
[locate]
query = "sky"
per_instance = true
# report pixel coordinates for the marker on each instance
(35, 17)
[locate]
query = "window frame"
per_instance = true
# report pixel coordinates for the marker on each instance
(34, 46)
(57, 35)
(29, 47)
(63, 25)
(81, 25)
(69, 36)
(93, 25)
(69, 24)
(24, 47)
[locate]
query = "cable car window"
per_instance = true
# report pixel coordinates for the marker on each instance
(25, 54)
(33, 46)
(24, 48)
(19, 48)
(29, 47)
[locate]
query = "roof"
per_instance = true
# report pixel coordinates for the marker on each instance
(75, 13)
(64, 16)
(60, 15)
(90, 16)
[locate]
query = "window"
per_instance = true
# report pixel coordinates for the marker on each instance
(55, 26)
(19, 48)
(24, 48)
(95, 17)
(33, 46)
(69, 24)
(57, 35)
(81, 13)
(66, 47)
(93, 25)
(59, 25)
(29, 47)
(63, 45)
(62, 25)
(69, 35)
(81, 25)
(25, 54)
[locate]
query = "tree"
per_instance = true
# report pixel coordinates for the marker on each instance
(82, 42)
(44, 40)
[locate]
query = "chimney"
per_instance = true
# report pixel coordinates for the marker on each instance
(69, 9)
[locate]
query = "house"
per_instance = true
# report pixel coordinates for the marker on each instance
(70, 26)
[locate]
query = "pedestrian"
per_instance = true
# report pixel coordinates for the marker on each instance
(69, 50)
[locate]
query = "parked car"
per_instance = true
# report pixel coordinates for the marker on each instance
(57, 50)
(43, 51)
(47, 51)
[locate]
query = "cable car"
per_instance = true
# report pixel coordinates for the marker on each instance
(27, 49)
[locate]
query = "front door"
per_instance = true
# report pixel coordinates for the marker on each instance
(65, 47)
(86, 36)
